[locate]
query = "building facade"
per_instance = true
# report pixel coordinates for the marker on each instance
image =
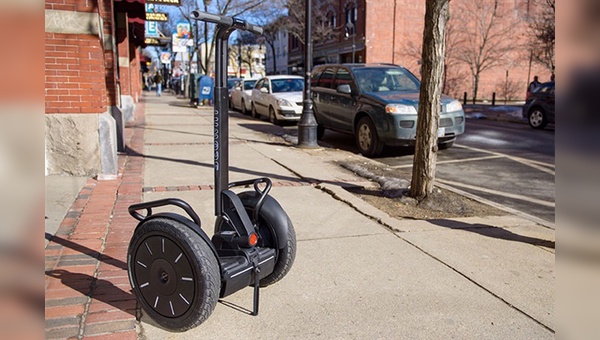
(92, 82)
(278, 56)
(391, 31)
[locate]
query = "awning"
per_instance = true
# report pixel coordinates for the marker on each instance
(136, 13)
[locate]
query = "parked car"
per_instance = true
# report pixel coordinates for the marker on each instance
(230, 85)
(241, 96)
(377, 103)
(539, 106)
(278, 97)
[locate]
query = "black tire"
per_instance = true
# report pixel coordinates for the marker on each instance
(320, 131)
(243, 108)
(254, 112)
(272, 218)
(445, 145)
(537, 118)
(272, 117)
(173, 273)
(367, 141)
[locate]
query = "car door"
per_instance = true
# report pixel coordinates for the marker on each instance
(323, 95)
(259, 99)
(343, 104)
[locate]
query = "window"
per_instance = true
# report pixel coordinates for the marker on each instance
(351, 18)
(343, 77)
(326, 79)
(249, 84)
(314, 78)
(331, 20)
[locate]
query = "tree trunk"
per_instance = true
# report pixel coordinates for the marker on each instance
(274, 60)
(434, 45)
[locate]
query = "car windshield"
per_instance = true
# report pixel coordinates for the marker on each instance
(381, 79)
(287, 85)
(249, 84)
(231, 83)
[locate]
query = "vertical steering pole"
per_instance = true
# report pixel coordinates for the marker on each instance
(221, 116)
(225, 26)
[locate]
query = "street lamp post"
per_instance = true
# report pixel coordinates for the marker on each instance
(307, 127)
(350, 31)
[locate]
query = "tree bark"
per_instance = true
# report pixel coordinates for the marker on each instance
(432, 70)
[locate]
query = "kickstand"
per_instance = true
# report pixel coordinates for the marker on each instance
(256, 270)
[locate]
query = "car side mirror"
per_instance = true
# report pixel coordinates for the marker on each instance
(264, 90)
(344, 88)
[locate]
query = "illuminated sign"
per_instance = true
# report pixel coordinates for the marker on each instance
(157, 16)
(165, 2)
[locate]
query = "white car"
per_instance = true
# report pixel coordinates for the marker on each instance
(279, 98)
(241, 95)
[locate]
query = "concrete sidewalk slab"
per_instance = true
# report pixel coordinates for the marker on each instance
(365, 287)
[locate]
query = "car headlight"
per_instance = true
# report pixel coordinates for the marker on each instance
(454, 105)
(283, 102)
(401, 109)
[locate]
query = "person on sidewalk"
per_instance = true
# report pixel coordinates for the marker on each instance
(534, 84)
(158, 81)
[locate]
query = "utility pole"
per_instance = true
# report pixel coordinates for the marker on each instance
(307, 127)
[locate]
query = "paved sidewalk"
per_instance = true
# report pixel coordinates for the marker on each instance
(358, 272)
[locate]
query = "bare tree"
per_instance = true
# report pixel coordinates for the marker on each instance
(482, 31)
(270, 35)
(453, 75)
(321, 32)
(542, 28)
(248, 45)
(432, 71)
(232, 8)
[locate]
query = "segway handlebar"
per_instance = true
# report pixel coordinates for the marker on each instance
(227, 21)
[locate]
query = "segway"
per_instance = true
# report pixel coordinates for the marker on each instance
(177, 272)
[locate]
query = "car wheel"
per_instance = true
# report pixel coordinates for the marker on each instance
(366, 138)
(537, 118)
(254, 112)
(272, 117)
(244, 110)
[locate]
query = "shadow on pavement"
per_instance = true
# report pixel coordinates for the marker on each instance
(491, 231)
(98, 289)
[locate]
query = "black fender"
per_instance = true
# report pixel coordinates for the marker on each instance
(188, 223)
(270, 211)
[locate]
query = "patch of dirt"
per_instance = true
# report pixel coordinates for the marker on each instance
(390, 189)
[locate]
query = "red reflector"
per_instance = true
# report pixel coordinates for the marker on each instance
(253, 239)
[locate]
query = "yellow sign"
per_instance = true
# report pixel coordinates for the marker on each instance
(157, 16)
(165, 2)
(152, 41)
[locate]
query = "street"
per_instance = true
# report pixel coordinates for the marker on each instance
(507, 163)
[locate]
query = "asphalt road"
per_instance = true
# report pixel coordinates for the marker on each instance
(504, 162)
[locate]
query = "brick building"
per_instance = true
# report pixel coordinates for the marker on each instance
(391, 31)
(92, 82)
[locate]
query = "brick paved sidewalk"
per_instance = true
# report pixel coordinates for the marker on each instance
(88, 295)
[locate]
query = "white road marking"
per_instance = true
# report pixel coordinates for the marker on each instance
(499, 193)
(529, 162)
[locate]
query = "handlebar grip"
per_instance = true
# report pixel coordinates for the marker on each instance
(214, 18)
(227, 21)
(254, 29)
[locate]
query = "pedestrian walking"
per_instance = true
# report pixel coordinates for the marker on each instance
(158, 79)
